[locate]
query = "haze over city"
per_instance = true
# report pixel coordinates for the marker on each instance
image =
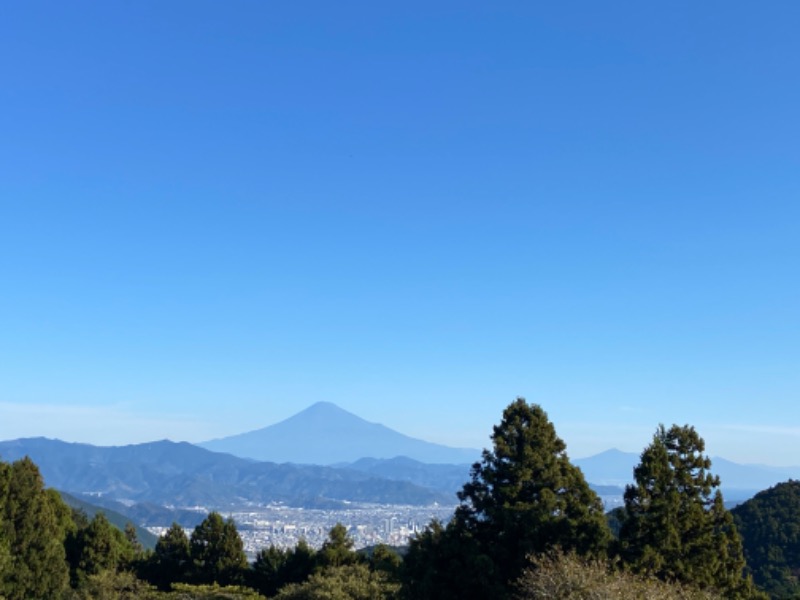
(215, 215)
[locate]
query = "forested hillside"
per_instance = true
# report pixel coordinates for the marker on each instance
(770, 526)
(527, 526)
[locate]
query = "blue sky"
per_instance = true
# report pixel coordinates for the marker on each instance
(215, 214)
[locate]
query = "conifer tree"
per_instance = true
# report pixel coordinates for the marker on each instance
(170, 562)
(217, 551)
(524, 497)
(133, 538)
(300, 563)
(337, 550)
(98, 547)
(34, 536)
(267, 571)
(676, 526)
(384, 558)
(447, 563)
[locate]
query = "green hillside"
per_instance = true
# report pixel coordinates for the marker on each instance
(146, 539)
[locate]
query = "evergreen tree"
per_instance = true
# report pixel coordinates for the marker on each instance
(96, 548)
(267, 572)
(170, 562)
(34, 536)
(675, 525)
(525, 497)
(133, 538)
(300, 563)
(386, 559)
(275, 568)
(217, 551)
(337, 550)
(447, 563)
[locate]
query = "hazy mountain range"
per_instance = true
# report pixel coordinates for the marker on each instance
(366, 462)
(324, 434)
(738, 481)
(181, 475)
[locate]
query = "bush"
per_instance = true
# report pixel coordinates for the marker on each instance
(560, 576)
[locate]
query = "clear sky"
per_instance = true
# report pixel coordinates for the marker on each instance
(213, 214)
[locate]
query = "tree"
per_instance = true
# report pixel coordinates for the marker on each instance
(448, 563)
(300, 563)
(337, 550)
(385, 558)
(525, 497)
(170, 561)
(675, 525)
(770, 527)
(33, 530)
(274, 567)
(266, 573)
(96, 548)
(133, 538)
(217, 551)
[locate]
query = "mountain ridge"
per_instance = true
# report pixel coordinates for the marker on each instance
(181, 474)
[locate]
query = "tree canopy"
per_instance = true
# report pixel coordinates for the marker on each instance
(32, 535)
(217, 551)
(676, 526)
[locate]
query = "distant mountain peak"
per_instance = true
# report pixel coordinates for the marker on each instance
(323, 405)
(325, 434)
(325, 412)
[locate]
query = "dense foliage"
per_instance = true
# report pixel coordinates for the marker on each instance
(770, 527)
(32, 535)
(675, 525)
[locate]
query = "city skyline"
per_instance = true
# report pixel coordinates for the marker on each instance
(212, 217)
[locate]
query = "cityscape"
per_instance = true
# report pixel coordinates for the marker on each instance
(367, 524)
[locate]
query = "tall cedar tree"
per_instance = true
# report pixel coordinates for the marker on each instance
(676, 526)
(217, 551)
(524, 497)
(170, 562)
(33, 534)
